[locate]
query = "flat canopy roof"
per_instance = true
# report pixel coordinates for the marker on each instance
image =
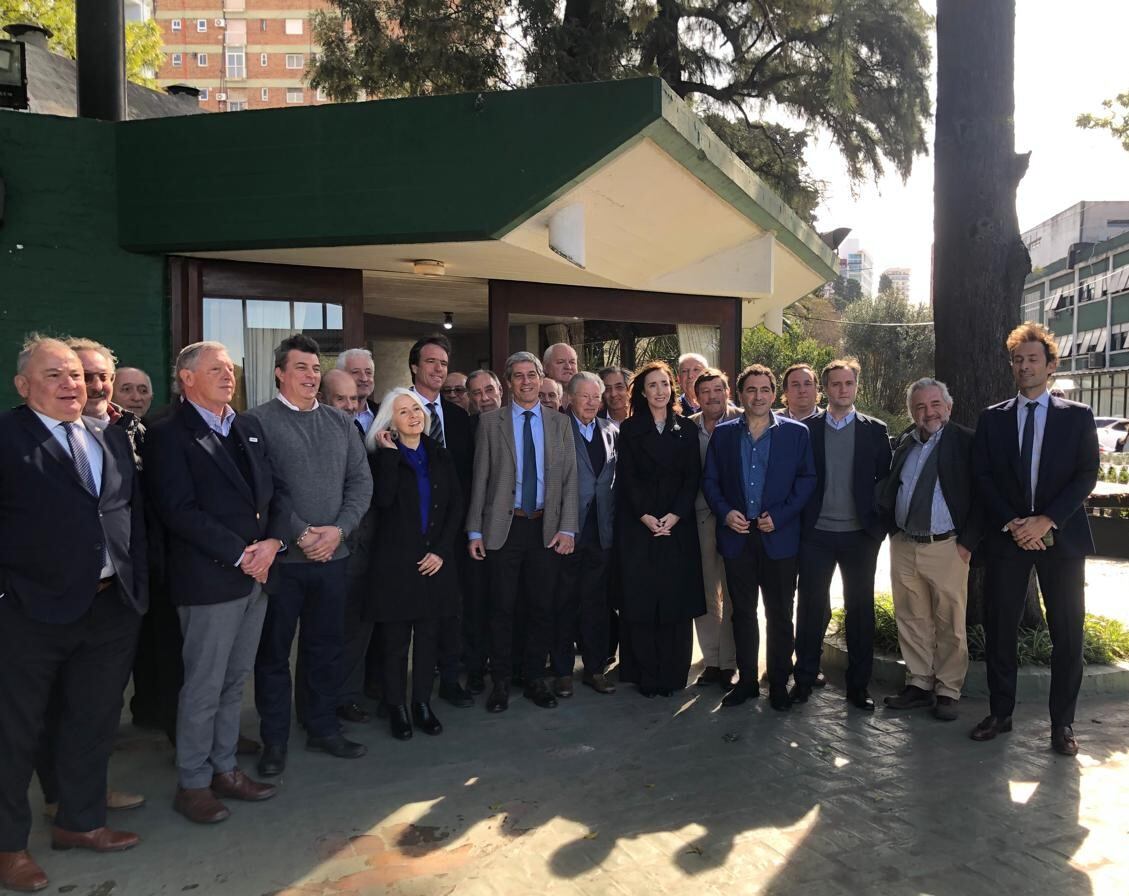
(613, 184)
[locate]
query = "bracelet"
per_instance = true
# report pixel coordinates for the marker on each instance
(305, 532)
(342, 531)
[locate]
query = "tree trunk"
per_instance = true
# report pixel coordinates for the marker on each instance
(979, 261)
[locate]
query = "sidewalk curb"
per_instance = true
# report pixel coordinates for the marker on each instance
(1034, 682)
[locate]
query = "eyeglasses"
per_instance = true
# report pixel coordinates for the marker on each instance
(453, 390)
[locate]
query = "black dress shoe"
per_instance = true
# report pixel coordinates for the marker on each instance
(539, 693)
(799, 693)
(425, 720)
(710, 675)
(740, 693)
(860, 698)
(336, 745)
(646, 691)
(399, 724)
(1063, 741)
(374, 691)
(499, 699)
(820, 680)
(476, 682)
(990, 726)
(352, 712)
(725, 679)
(273, 760)
(663, 692)
(455, 694)
(779, 700)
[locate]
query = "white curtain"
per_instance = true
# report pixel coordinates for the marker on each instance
(258, 369)
(701, 339)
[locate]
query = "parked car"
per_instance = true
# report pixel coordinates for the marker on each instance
(1112, 433)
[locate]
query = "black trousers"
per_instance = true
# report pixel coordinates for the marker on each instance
(395, 637)
(315, 594)
(660, 652)
(1062, 581)
(476, 618)
(856, 555)
(582, 610)
(89, 660)
(522, 554)
(751, 572)
(158, 669)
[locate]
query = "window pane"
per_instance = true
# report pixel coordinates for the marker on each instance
(267, 315)
(223, 322)
(307, 316)
(334, 320)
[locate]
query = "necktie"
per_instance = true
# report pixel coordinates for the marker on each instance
(80, 458)
(360, 427)
(436, 431)
(528, 466)
(1027, 453)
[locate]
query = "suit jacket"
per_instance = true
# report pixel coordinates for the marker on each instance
(400, 593)
(701, 506)
(1068, 470)
(788, 485)
(459, 435)
(54, 529)
(591, 487)
(954, 473)
(495, 478)
(872, 464)
(209, 510)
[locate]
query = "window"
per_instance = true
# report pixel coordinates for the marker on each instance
(175, 26)
(294, 60)
(294, 95)
(177, 59)
(262, 24)
(202, 60)
(236, 63)
(264, 95)
(201, 25)
(263, 60)
(236, 105)
(322, 95)
(293, 26)
(203, 94)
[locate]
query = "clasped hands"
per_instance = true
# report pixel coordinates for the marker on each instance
(660, 526)
(1028, 531)
(320, 543)
(740, 524)
(258, 557)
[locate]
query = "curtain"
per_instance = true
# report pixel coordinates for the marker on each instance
(701, 339)
(258, 369)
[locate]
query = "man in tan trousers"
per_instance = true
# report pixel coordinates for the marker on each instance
(715, 628)
(929, 505)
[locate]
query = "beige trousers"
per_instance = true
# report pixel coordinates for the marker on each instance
(715, 628)
(930, 585)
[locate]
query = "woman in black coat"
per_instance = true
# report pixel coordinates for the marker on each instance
(417, 517)
(660, 563)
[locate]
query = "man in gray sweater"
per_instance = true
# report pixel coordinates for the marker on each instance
(317, 454)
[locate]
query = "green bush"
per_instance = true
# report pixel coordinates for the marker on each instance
(1111, 474)
(1104, 640)
(1123, 476)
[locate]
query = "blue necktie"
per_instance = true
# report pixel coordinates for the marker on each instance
(528, 467)
(1027, 454)
(80, 458)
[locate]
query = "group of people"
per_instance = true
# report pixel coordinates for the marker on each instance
(495, 528)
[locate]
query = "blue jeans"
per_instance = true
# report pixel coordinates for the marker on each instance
(313, 593)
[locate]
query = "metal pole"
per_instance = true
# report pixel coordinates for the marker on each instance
(100, 42)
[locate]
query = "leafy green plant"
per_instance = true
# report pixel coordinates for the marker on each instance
(1123, 476)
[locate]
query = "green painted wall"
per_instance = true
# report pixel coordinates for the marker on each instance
(61, 270)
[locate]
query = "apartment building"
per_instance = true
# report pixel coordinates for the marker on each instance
(240, 54)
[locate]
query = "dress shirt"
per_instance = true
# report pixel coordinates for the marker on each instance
(517, 415)
(940, 519)
(587, 430)
(1043, 402)
(220, 425)
(438, 411)
(365, 417)
(293, 406)
(840, 424)
(798, 419)
(417, 457)
(754, 466)
(93, 454)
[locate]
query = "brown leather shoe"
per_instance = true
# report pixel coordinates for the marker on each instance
(199, 805)
(237, 786)
(19, 872)
(990, 726)
(99, 840)
(599, 683)
(562, 686)
(1062, 740)
(247, 747)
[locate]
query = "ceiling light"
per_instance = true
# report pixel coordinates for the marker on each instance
(448, 320)
(429, 267)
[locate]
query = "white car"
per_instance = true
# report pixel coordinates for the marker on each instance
(1112, 433)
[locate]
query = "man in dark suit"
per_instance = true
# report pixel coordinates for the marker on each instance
(211, 480)
(758, 476)
(842, 527)
(582, 604)
(930, 509)
(1036, 461)
(428, 362)
(358, 363)
(73, 586)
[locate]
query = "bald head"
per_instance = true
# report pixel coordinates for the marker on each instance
(339, 390)
(560, 362)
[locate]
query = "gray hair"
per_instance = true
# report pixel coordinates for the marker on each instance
(926, 382)
(552, 348)
(585, 376)
(384, 415)
(628, 375)
(343, 358)
(189, 357)
(482, 371)
(33, 342)
(686, 356)
(523, 358)
(557, 387)
(82, 344)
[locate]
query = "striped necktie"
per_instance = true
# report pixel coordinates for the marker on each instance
(436, 431)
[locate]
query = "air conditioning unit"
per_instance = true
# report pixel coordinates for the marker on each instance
(221, 23)
(1095, 360)
(221, 97)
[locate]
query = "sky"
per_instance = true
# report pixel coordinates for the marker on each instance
(1068, 58)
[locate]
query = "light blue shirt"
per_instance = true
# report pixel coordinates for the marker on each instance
(839, 424)
(221, 425)
(517, 415)
(755, 454)
(941, 521)
(1043, 402)
(365, 417)
(435, 408)
(587, 430)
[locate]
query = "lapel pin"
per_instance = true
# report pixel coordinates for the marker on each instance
(252, 439)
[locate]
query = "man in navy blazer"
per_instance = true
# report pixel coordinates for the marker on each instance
(1035, 461)
(73, 587)
(758, 477)
(843, 527)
